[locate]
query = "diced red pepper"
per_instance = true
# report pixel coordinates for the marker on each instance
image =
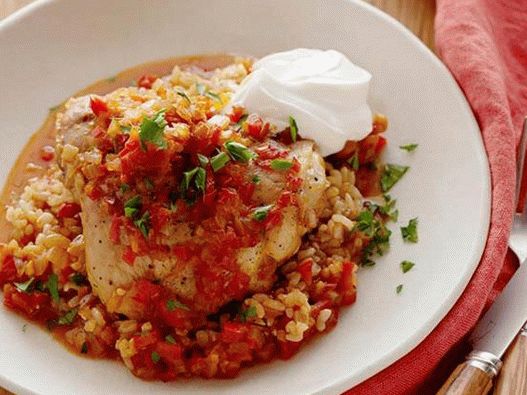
(47, 153)
(233, 332)
(146, 340)
(98, 106)
(305, 270)
(129, 255)
(146, 81)
(236, 114)
(178, 317)
(346, 286)
(30, 304)
(171, 353)
(115, 229)
(288, 349)
(8, 270)
(68, 210)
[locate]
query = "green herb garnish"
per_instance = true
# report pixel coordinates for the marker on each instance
(247, 313)
(203, 160)
(281, 164)
(155, 357)
(409, 232)
(187, 178)
(293, 129)
(213, 96)
(53, 287)
(409, 147)
(152, 130)
(256, 179)
(200, 179)
(68, 318)
(84, 348)
(242, 119)
(78, 279)
(354, 161)
(173, 304)
(239, 151)
(170, 339)
(111, 79)
(26, 286)
(260, 213)
(143, 224)
(124, 188)
(390, 176)
(219, 161)
(399, 288)
(406, 266)
(376, 230)
(389, 208)
(184, 96)
(132, 206)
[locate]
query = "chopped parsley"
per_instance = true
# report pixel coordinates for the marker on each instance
(173, 304)
(354, 161)
(409, 232)
(219, 161)
(149, 184)
(200, 179)
(26, 286)
(399, 288)
(239, 151)
(203, 160)
(184, 96)
(53, 287)
(376, 230)
(152, 130)
(242, 119)
(281, 164)
(409, 147)
(68, 318)
(124, 188)
(143, 224)
(54, 108)
(170, 339)
(406, 266)
(256, 179)
(293, 129)
(391, 175)
(187, 178)
(132, 206)
(155, 357)
(78, 279)
(389, 209)
(247, 313)
(213, 95)
(84, 348)
(260, 213)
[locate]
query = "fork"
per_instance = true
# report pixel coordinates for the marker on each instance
(511, 380)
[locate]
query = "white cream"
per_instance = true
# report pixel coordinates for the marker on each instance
(323, 91)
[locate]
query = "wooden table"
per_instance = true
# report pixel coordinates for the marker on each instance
(417, 15)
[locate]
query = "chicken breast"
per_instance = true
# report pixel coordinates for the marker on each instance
(108, 272)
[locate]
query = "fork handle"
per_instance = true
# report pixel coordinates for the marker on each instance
(513, 376)
(472, 377)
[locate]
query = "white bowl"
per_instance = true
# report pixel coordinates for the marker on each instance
(51, 49)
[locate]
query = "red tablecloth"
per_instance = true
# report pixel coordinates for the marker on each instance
(484, 44)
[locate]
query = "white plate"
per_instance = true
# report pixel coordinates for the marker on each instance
(53, 48)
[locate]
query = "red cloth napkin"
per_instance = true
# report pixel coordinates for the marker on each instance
(484, 44)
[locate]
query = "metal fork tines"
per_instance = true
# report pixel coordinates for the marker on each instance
(517, 242)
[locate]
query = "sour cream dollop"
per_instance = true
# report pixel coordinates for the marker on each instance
(322, 90)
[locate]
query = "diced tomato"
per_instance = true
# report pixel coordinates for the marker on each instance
(129, 255)
(288, 349)
(234, 332)
(346, 286)
(8, 270)
(370, 148)
(171, 353)
(179, 318)
(28, 303)
(115, 229)
(146, 340)
(254, 125)
(182, 252)
(146, 81)
(68, 210)
(47, 153)
(98, 106)
(146, 293)
(305, 270)
(236, 114)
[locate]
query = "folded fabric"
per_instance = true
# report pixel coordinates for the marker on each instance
(484, 44)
